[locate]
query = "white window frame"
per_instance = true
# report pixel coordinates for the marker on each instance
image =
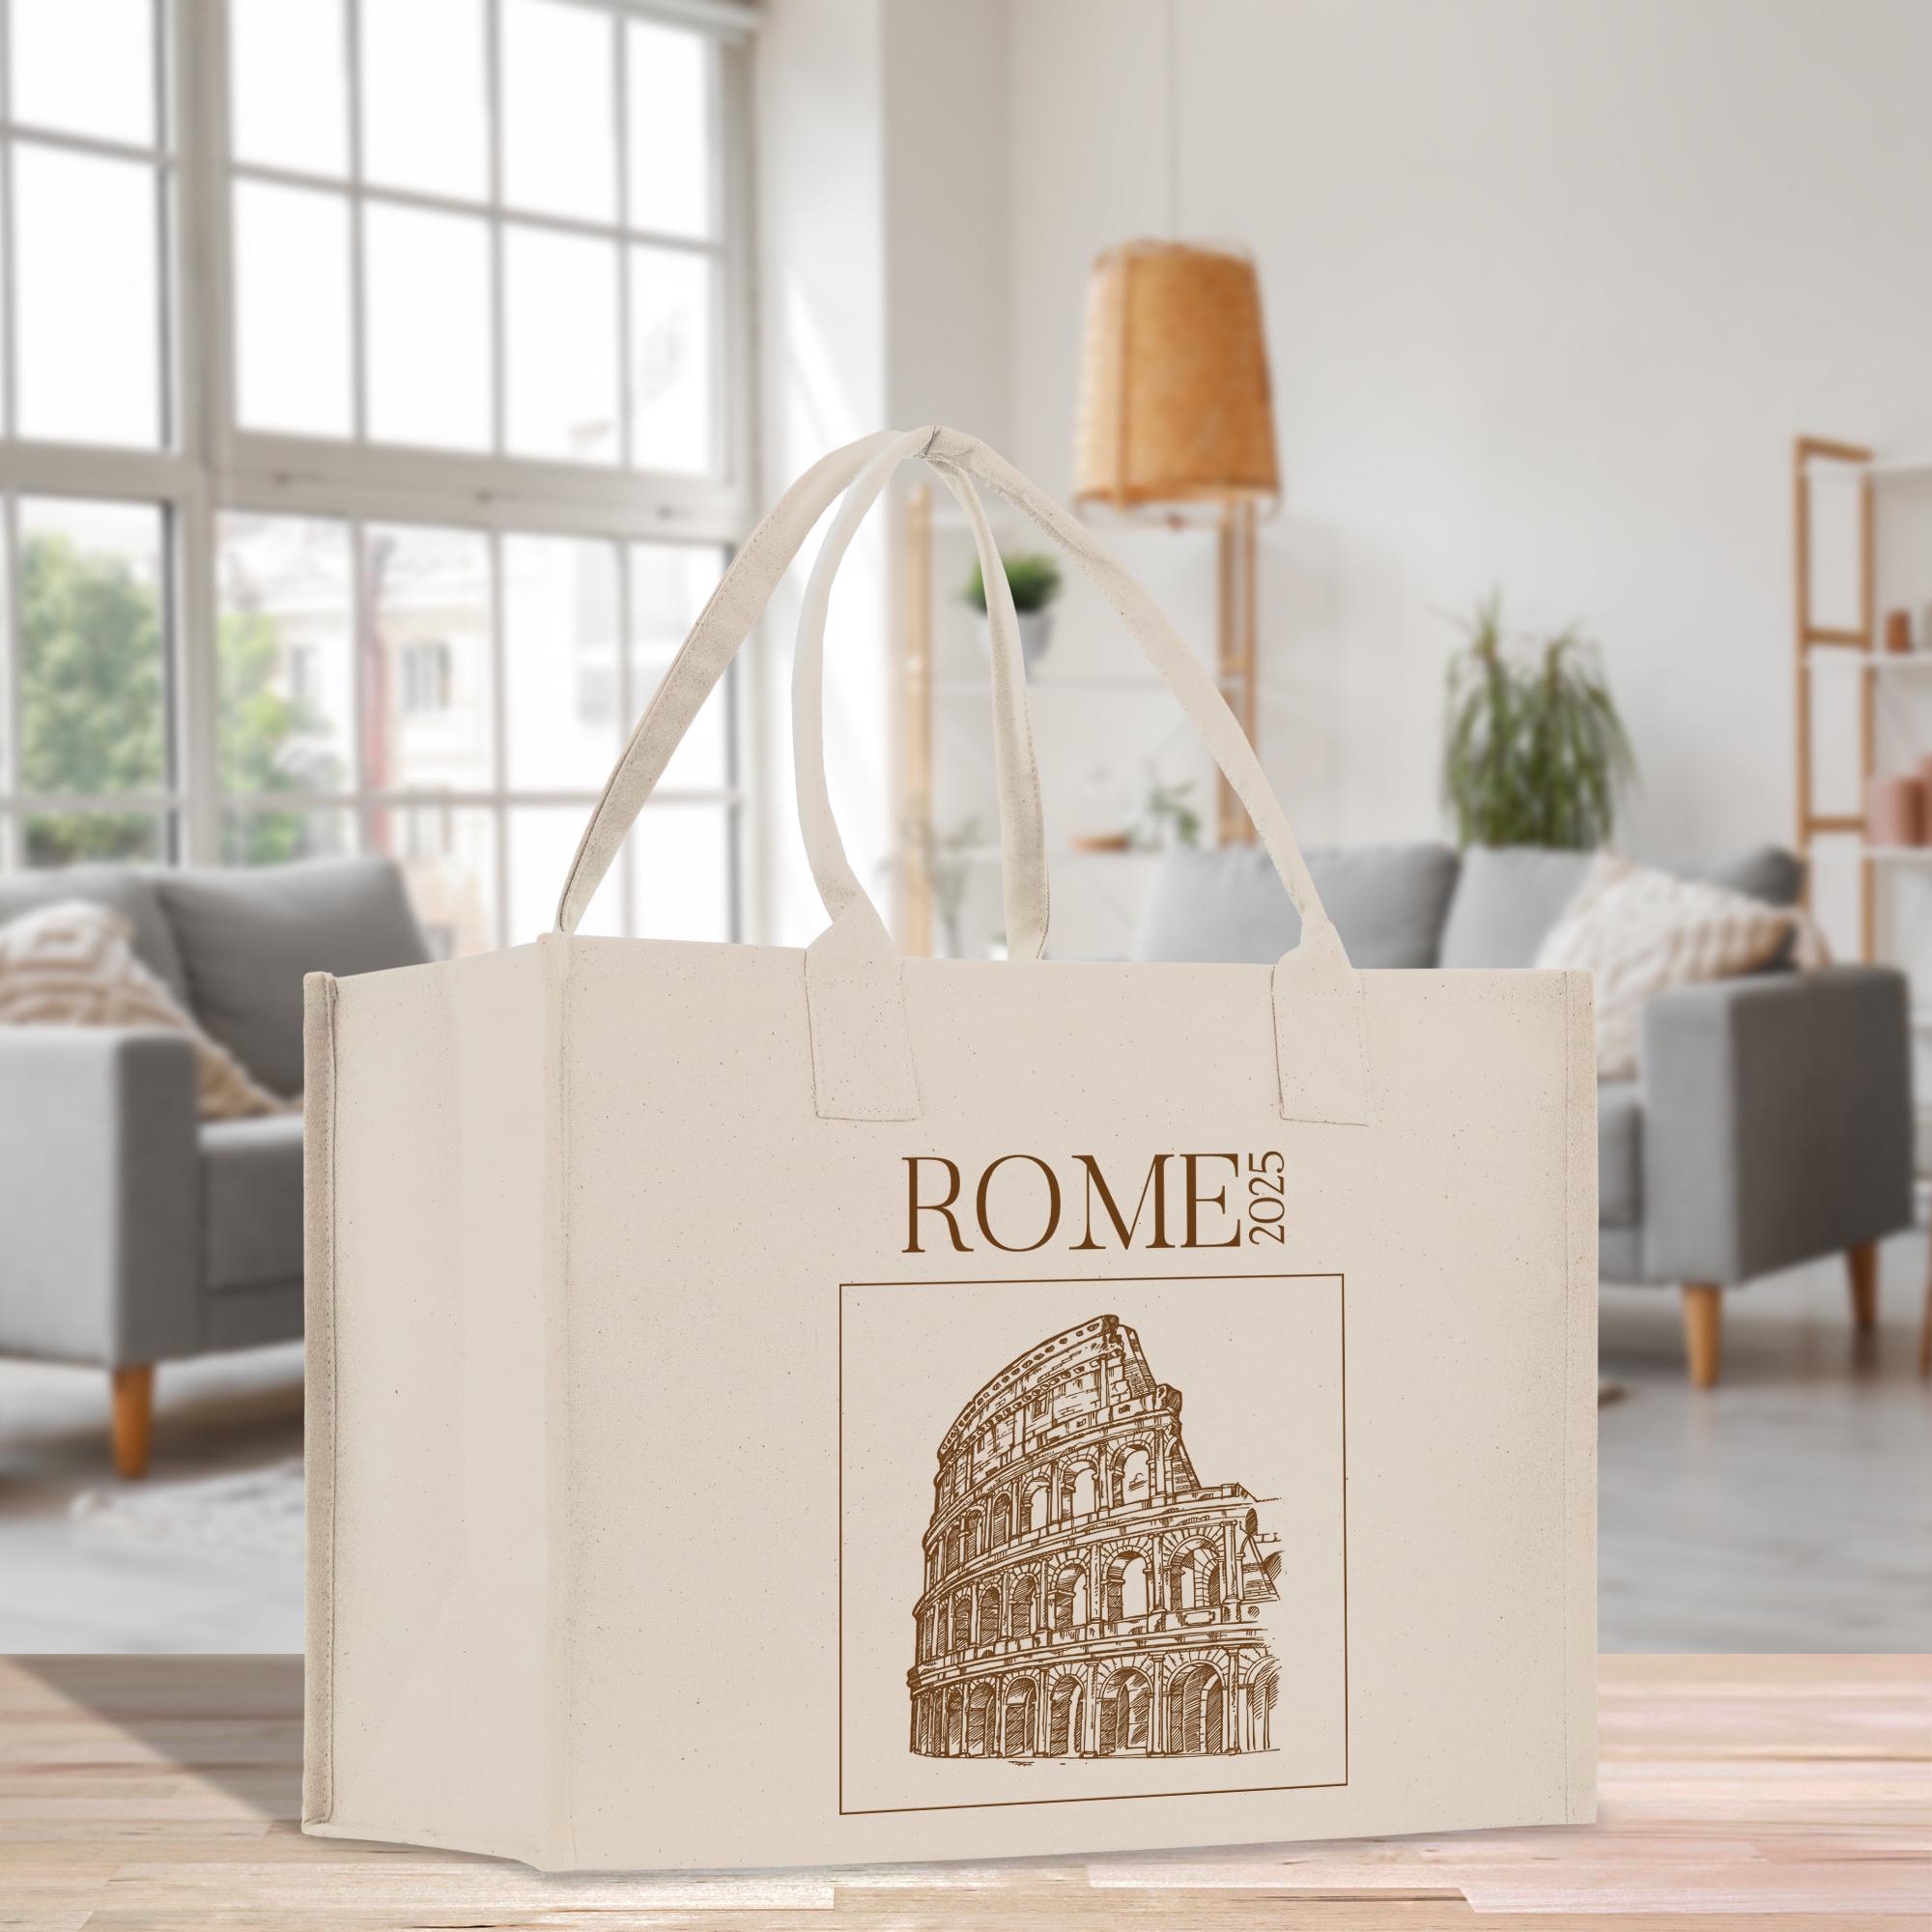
(212, 464)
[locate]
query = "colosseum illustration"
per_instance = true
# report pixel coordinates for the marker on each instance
(1086, 1594)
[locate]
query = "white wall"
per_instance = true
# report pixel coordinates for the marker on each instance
(947, 295)
(1550, 287)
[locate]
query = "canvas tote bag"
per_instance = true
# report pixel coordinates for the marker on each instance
(777, 1407)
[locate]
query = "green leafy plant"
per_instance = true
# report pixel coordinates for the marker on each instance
(1535, 753)
(1033, 578)
(92, 679)
(1168, 811)
(92, 708)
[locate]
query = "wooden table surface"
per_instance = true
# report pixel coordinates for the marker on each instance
(163, 1792)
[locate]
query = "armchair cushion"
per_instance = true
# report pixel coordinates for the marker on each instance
(1778, 1121)
(1509, 897)
(1506, 899)
(1619, 1154)
(1227, 904)
(247, 937)
(1767, 872)
(251, 1190)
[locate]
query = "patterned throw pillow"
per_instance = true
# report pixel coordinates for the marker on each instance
(1641, 931)
(71, 963)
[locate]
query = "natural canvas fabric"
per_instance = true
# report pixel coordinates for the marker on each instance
(777, 1406)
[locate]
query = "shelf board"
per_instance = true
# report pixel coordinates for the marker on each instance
(1878, 468)
(989, 855)
(1890, 663)
(1847, 845)
(948, 520)
(982, 687)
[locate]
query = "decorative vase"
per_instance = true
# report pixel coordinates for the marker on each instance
(1895, 811)
(1103, 823)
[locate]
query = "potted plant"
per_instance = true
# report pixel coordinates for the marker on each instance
(1535, 753)
(1171, 820)
(1034, 579)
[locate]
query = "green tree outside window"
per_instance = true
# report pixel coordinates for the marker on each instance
(93, 709)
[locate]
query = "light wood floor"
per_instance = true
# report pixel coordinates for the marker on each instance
(151, 1794)
(1788, 1510)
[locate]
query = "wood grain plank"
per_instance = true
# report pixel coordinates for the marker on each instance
(147, 1794)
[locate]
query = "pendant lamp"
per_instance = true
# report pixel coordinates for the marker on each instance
(1175, 404)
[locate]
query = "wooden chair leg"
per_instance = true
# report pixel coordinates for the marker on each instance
(1703, 1331)
(1861, 1268)
(1925, 1333)
(133, 1418)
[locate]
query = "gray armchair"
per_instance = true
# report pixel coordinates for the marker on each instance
(1771, 1121)
(132, 1232)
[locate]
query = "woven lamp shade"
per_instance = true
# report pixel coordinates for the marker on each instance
(1175, 405)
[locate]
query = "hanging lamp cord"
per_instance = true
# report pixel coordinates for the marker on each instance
(1172, 121)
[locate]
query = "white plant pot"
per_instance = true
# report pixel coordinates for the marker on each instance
(1036, 634)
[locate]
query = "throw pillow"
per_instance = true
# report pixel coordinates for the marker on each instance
(72, 963)
(1641, 931)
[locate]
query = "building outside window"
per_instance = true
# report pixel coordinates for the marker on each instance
(424, 665)
(372, 428)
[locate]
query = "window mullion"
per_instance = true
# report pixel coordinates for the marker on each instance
(454, 797)
(10, 414)
(493, 111)
(195, 621)
(361, 622)
(13, 835)
(620, 93)
(431, 202)
(15, 852)
(500, 734)
(627, 712)
(102, 147)
(358, 306)
(191, 111)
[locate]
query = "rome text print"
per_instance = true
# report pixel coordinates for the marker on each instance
(1086, 1595)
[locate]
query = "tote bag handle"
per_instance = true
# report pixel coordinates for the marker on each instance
(725, 621)
(861, 1051)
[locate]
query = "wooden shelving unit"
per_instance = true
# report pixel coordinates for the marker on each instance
(1823, 651)
(922, 689)
(1854, 647)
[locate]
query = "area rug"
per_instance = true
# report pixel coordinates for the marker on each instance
(258, 1510)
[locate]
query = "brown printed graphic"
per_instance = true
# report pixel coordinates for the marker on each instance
(1086, 1595)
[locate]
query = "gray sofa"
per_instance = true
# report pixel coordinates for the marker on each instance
(1771, 1121)
(133, 1233)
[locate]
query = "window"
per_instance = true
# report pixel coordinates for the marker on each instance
(372, 423)
(499, 229)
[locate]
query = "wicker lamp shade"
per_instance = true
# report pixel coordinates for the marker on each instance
(1175, 405)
